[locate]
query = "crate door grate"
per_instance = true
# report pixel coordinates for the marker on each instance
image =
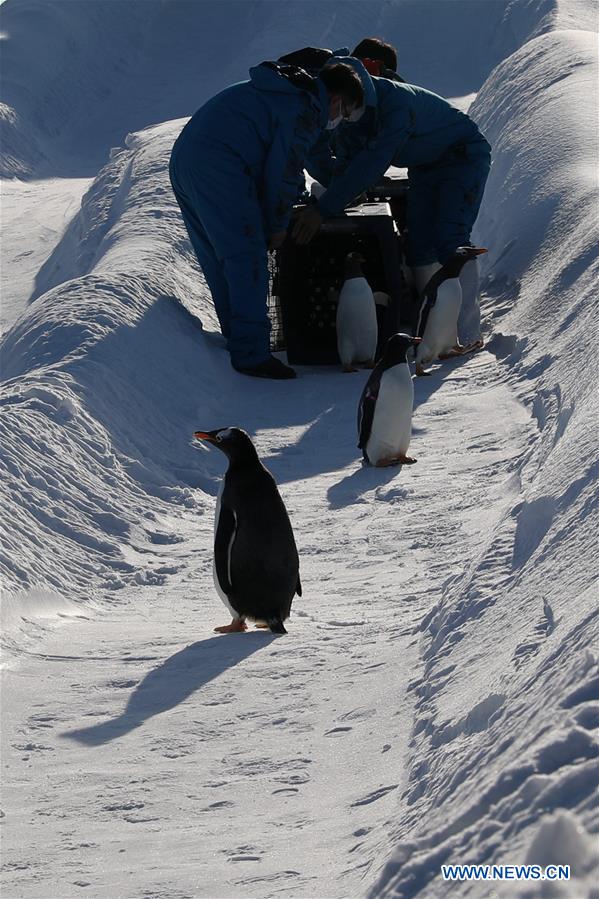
(273, 303)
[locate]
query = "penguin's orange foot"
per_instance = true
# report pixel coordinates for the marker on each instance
(237, 626)
(461, 349)
(349, 368)
(387, 463)
(420, 372)
(262, 624)
(472, 347)
(406, 460)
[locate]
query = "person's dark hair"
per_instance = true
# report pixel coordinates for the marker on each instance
(340, 78)
(376, 48)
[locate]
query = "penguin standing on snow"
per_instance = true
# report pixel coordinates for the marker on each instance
(438, 318)
(385, 409)
(256, 565)
(357, 329)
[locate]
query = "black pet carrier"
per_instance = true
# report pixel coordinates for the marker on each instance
(306, 281)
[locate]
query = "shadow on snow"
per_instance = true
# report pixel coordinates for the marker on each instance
(172, 682)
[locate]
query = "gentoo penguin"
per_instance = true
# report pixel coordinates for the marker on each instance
(385, 409)
(439, 310)
(357, 329)
(256, 565)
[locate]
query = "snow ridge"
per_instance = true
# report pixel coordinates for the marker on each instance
(534, 582)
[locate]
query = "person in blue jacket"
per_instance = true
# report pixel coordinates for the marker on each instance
(447, 157)
(236, 169)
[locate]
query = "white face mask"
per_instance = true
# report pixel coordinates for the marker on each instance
(332, 123)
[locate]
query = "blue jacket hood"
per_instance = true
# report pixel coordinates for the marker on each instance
(370, 97)
(271, 77)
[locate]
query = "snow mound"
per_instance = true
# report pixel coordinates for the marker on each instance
(101, 371)
(76, 80)
(497, 754)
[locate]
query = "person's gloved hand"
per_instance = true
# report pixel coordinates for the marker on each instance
(306, 225)
(361, 198)
(277, 240)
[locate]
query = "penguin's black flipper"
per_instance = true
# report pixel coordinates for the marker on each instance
(298, 587)
(223, 544)
(366, 414)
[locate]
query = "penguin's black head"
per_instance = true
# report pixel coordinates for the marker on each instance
(354, 256)
(456, 263)
(353, 265)
(397, 347)
(233, 442)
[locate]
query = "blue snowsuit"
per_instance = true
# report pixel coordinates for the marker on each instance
(236, 170)
(447, 157)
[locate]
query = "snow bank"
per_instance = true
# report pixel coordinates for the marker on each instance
(52, 85)
(505, 730)
(101, 372)
(78, 77)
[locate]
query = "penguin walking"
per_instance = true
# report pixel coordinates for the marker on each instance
(439, 311)
(357, 329)
(386, 404)
(256, 564)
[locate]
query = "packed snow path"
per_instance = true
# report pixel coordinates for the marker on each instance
(249, 765)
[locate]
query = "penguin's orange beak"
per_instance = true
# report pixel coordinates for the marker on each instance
(203, 435)
(478, 251)
(416, 339)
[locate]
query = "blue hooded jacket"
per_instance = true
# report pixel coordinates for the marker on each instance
(269, 123)
(404, 125)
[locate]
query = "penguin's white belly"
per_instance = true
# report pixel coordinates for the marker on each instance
(357, 330)
(391, 429)
(219, 589)
(441, 332)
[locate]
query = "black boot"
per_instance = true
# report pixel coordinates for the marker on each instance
(271, 368)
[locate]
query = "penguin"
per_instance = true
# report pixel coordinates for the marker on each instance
(439, 311)
(256, 564)
(357, 330)
(385, 408)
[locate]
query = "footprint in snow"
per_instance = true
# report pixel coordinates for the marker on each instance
(243, 854)
(301, 778)
(42, 721)
(372, 797)
(32, 747)
(122, 806)
(357, 715)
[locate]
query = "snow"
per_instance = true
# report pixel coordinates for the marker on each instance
(437, 697)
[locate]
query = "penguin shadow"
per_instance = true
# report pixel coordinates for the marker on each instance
(172, 682)
(350, 489)
(306, 458)
(424, 387)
